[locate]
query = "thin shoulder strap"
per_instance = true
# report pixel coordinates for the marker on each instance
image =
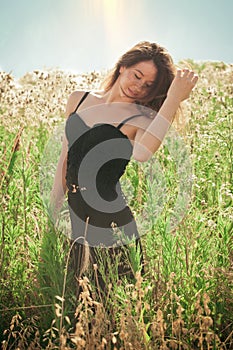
(81, 101)
(127, 119)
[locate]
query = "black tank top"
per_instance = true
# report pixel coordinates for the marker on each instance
(97, 155)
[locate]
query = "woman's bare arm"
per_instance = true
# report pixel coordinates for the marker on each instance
(148, 141)
(59, 185)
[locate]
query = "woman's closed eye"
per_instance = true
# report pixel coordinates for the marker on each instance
(146, 85)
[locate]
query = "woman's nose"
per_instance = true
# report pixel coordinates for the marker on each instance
(138, 85)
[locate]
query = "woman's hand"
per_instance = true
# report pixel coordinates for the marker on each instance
(182, 84)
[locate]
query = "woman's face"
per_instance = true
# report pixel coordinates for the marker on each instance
(135, 82)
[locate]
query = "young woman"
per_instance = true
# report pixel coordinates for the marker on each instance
(104, 129)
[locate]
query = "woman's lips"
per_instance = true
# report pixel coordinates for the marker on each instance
(129, 93)
(132, 93)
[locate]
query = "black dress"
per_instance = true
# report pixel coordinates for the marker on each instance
(97, 158)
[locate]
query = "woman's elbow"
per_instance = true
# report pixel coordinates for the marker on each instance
(142, 157)
(144, 152)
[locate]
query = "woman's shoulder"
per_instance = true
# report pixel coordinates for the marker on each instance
(73, 101)
(144, 121)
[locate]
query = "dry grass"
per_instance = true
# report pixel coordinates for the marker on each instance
(185, 298)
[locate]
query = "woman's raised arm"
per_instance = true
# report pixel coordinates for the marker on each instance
(148, 141)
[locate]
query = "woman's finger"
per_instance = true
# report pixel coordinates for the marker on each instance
(195, 79)
(186, 72)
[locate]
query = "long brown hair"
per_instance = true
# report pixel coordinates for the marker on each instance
(146, 51)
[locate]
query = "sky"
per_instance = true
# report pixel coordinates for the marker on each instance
(86, 35)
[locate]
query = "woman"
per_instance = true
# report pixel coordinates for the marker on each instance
(129, 117)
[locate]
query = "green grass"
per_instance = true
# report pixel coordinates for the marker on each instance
(183, 206)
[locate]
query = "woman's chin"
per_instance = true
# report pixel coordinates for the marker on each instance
(128, 95)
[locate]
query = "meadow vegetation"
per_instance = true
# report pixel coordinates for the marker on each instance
(185, 298)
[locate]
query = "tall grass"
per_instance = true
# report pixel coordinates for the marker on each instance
(185, 298)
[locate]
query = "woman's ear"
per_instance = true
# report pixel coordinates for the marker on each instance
(121, 70)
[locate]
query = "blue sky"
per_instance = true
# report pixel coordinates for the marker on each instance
(85, 35)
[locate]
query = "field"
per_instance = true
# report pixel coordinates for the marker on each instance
(182, 200)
